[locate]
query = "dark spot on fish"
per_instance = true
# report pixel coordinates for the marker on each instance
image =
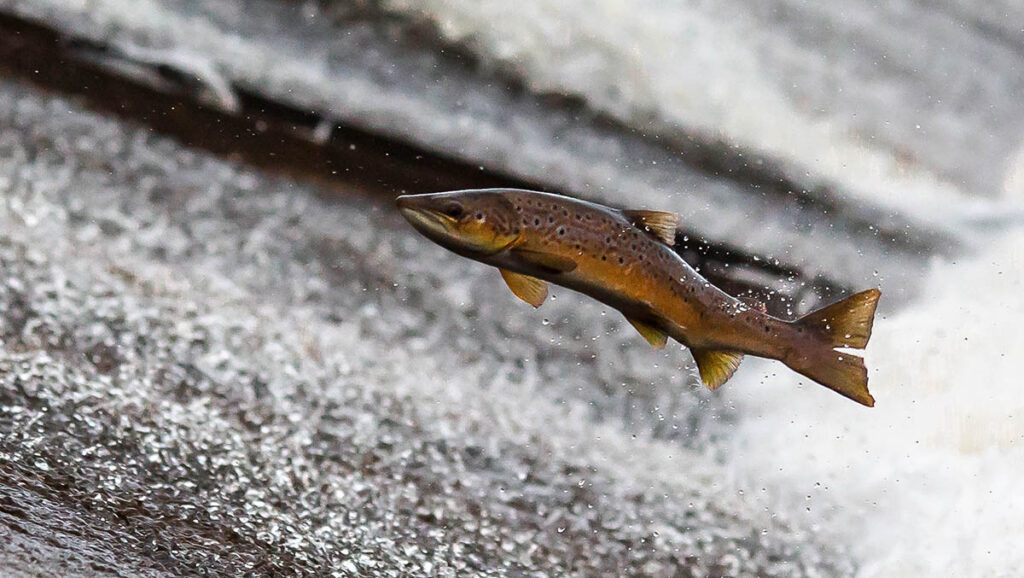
(561, 230)
(536, 222)
(621, 260)
(766, 329)
(604, 257)
(479, 216)
(565, 212)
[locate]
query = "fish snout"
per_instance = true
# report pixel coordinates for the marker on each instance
(402, 201)
(419, 211)
(406, 202)
(412, 207)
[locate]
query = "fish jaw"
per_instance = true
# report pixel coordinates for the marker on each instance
(433, 225)
(424, 220)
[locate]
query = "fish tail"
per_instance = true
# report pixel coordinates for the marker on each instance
(843, 373)
(843, 324)
(846, 323)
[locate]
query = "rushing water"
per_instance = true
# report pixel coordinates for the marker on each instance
(924, 483)
(893, 100)
(927, 122)
(911, 110)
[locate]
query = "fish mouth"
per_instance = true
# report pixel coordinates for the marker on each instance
(422, 218)
(405, 202)
(424, 221)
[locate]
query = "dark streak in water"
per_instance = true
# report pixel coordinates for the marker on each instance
(280, 138)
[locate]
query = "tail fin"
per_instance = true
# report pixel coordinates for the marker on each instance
(843, 324)
(846, 323)
(843, 373)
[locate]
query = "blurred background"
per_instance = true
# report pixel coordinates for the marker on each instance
(222, 351)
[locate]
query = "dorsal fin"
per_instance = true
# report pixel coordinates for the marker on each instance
(716, 367)
(530, 289)
(660, 224)
(655, 337)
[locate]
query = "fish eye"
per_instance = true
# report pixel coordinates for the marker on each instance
(453, 210)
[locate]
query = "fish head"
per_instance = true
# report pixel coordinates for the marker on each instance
(474, 223)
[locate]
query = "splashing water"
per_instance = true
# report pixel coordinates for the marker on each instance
(926, 483)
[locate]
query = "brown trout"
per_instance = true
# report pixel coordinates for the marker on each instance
(625, 260)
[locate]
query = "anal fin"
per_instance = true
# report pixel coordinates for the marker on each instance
(655, 337)
(716, 367)
(530, 289)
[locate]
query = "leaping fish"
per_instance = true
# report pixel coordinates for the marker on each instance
(625, 260)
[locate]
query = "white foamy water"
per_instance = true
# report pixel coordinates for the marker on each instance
(839, 91)
(927, 483)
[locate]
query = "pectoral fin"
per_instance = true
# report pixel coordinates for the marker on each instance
(659, 224)
(655, 337)
(530, 289)
(547, 261)
(716, 367)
